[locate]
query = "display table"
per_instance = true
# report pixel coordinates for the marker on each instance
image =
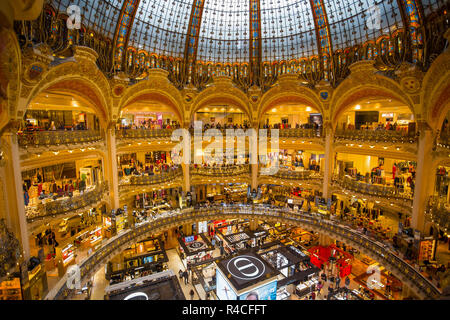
(306, 287)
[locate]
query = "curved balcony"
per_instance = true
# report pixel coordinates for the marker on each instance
(371, 189)
(144, 133)
(66, 204)
(439, 213)
(370, 246)
(141, 180)
(377, 136)
(298, 175)
(300, 133)
(444, 141)
(55, 138)
(226, 171)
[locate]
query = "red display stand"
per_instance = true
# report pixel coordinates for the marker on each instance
(320, 255)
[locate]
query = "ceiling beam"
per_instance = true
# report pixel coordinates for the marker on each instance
(122, 34)
(255, 41)
(412, 13)
(193, 35)
(324, 44)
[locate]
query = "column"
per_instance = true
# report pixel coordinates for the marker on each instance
(424, 177)
(12, 178)
(186, 178)
(254, 159)
(329, 161)
(110, 166)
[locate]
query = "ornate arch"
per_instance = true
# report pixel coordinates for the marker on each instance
(349, 94)
(436, 91)
(156, 88)
(221, 93)
(364, 82)
(10, 70)
(288, 94)
(82, 78)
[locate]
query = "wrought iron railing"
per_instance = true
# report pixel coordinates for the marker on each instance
(378, 251)
(298, 175)
(155, 179)
(438, 212)
(54, 138)
(383, 191)
(143, 133)
(397, 136)
(226, 171)
(66, 204)
(300, 133)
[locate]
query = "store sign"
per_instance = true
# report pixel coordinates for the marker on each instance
(246, 267)
(387, 115)
(137, 296)
(196, 245)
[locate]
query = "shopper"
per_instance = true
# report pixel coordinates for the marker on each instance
(338, 281)
(347, 282)
(191, 293)
(319, 287)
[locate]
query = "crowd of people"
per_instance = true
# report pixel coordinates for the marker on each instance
(149, 125)
(312, 125)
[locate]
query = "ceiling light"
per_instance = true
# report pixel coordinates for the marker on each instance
(308, 109)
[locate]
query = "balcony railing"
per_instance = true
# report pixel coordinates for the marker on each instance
(438, 213)
(143, 133)
(220, 171)
(298, 175)
(66, 204)
(397, 136)
(300, 133)
(54, 138)
(444, 141)
(383, 253)
(168, 176)
(371, 189)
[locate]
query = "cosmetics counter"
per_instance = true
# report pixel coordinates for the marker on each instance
(195, 248)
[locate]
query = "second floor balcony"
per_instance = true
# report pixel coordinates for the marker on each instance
(298, 175)
(153, 179)
(52, 207)
(55, 138)
(144, 133)
(377, 190)
(222, 171)
(380, 136)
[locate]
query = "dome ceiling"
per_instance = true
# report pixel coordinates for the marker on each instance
(229, 31)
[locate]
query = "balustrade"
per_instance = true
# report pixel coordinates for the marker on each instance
(143, 133)
(397, 136)
(66, 204)
(52, 138)
(220, 171)
(383, 191)
(172, 174)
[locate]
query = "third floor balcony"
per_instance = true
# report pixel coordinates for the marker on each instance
(55, 138)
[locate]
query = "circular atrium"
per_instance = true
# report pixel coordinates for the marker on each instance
(224, 150)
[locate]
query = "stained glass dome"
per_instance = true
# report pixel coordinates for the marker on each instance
(227, 31)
